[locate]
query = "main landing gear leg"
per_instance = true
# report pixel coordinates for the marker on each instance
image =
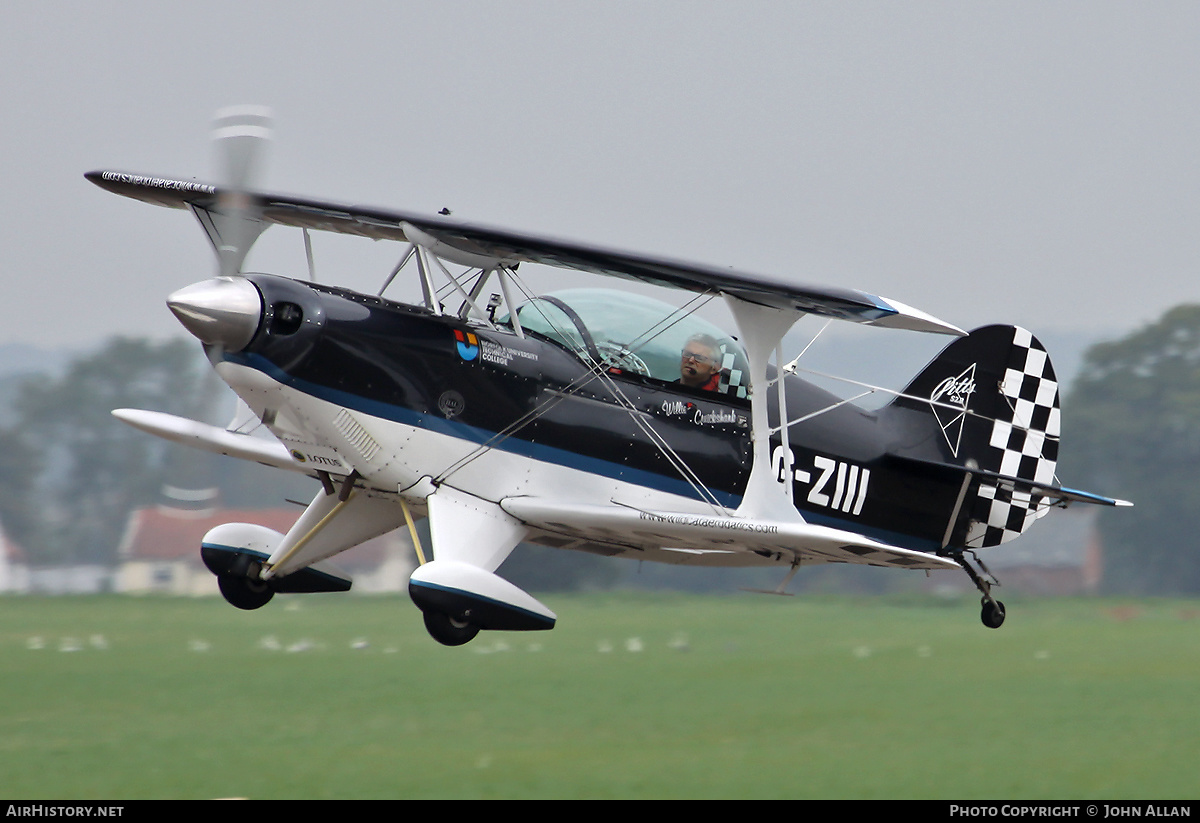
(992, 612)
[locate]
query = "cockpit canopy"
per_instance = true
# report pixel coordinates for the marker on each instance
(635, 334)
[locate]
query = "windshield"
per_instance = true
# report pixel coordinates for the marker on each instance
(635, 334)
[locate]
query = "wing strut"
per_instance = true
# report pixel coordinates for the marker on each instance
(308, 254)
(785, 442)
(427, 289)
(408, 253)
(432, 255)
(762, 328)
(503, 274)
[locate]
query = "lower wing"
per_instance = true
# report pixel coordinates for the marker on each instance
(702, 539)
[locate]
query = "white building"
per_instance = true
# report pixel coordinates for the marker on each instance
(160, 551)
(14, 571)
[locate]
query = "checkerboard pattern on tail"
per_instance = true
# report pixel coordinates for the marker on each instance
(988, 403)
(1025, 442)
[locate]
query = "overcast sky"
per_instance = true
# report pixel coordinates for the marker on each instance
(1033, 163)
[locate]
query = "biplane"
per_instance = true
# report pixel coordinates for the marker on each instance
(587, 419)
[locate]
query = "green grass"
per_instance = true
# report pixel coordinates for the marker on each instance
(728, 697)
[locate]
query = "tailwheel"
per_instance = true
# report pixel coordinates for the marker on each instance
(449, 630)
(244, 592)
(992, 614)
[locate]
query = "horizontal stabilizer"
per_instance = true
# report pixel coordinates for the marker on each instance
(716, 533)
(1050, 493)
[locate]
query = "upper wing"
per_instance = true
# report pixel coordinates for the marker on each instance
(509, 247)
(739, 539)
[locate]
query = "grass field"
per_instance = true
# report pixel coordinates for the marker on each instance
(632, 696)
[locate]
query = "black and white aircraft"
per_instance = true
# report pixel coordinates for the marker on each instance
(588, 419)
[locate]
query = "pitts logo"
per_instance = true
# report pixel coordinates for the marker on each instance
(468, 344)
(956, 390)
(953, 391)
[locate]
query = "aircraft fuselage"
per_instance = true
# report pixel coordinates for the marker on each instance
(398, 394)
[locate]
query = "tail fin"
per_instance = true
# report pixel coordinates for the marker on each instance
(988, 403)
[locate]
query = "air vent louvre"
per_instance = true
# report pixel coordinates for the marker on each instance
(356, 435)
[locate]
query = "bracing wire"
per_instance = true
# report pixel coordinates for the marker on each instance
(596, 371)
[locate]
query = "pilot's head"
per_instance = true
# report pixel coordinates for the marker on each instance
(701, 360)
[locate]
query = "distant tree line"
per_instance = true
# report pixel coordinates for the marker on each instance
(70, 473)
(1131, 429)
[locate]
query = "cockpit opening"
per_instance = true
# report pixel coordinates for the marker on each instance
(639, 335)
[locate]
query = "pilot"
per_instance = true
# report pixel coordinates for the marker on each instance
(700, 367)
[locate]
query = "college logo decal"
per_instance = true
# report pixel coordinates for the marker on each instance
(953, 392)
(468, 345)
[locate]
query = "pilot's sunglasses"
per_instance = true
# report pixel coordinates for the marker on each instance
(699, 358)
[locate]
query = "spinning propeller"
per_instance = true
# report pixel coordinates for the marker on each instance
(240, 137)
(224, 312)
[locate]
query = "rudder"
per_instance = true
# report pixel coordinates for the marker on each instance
(994, 397)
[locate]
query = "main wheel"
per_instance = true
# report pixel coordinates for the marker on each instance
(243, 592)
(992, 614)
(449, 631)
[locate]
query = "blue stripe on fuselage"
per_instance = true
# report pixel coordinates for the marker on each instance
(543, 453)
(462, 431)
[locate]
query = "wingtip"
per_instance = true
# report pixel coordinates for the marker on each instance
(906, 317)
